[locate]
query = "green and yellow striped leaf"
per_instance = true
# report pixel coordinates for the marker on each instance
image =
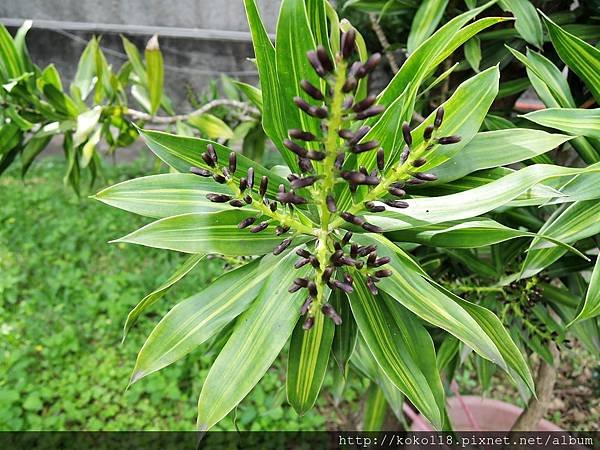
(344, 339)
(158, 293)
(480, 200)
(165, 195)
(391, 348)
(591, 304)
(259, 335)
(575, 121)
(206, 233)
(528, 22)
(491, 149)
(307, 362)
(581, 57)
(578, 221)
(196, 319)
(181, 152)
(427, 18)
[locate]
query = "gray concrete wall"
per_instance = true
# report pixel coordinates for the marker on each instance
(199, 38)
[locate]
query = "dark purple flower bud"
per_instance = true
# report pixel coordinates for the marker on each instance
(250, 177)
(348, 101)
(324, 59)
(351, 218)
(381, 261)
(303, 252)
(312, 288)
(200, 172)
(212, 153)
(304, 182)
(226, 173)
(294, 288)
(406, 134)
(419, 162)
(349, 85)
(327, 273)
(370, 112)
(260, 227)
(428, 132)
(320, 113)
(243, 184)
(383, 273)
(273, 206)
(404, 155)
(348, 42)
(315, 155)
(371, 64)
(246, 222)
(337, 245)
(346, 238)
(316, 63)
(314, 262)
(305, 165)
(281, 230)
(308, 323)
(371, 286)
(328, 310)
(359, 135)
(232, 162)
(292, 177)
(371, 228)
(331, 206)
(374, 208)
(426, 176)
(302, 282)
(354, 250)
(281, 247)
(301, 135)
(297, 149)
(342, 286)
(264, 183)
(415, 181)
(397, 191)
(339, 161)
(336, 256)
(439, 117)
(346, 134)
(311, 90)
(302, 104)
(248, 199)
(364, 104)
(371, 259)
(290, 197)
(364, 251)
(237, 203)
(218, 198)
(447, 140)
(346, 261)
(219, 178)
(207, 159)
(380, 159)
(396, 203)
(364, 147)
(306, 305)
(301, 263)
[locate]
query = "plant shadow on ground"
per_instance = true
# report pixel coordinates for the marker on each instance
(64, 296)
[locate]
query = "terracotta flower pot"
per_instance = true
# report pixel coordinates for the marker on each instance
(488, 415)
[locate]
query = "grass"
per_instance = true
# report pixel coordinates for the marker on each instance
(64, 296)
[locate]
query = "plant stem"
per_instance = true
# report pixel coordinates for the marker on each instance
(325, 187)
(544, 383)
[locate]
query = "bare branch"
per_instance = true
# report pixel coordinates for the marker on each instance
(247, 111)
(385, 44)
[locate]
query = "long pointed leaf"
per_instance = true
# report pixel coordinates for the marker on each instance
(575, 121)
(591, 305)
(258, 337)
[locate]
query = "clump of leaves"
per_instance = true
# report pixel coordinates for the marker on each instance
(326, 233)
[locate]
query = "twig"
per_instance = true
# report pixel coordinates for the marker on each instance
(544, 382)
(385, 44)
(244, 107)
